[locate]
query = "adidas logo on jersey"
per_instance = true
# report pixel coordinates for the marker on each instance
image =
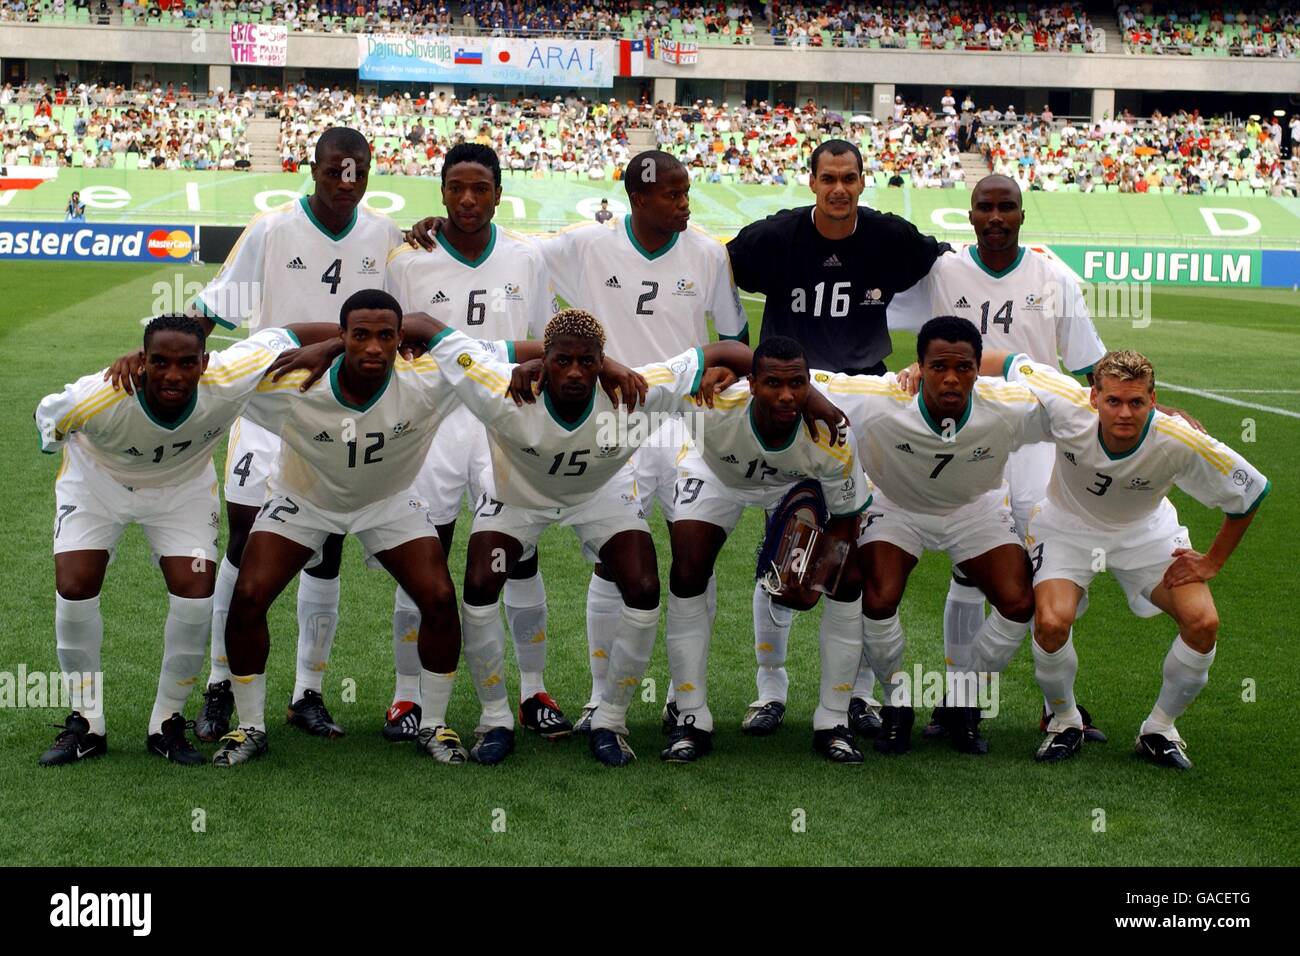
(324, 437)
(133, 452)
(961, 303)
(612, 283)
(1069, 456)
(905, 447)
(296, 263)
(530, 451)
(439, 298)
(731, 459)
(833, 260)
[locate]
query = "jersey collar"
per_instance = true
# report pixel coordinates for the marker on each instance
(753, 427)
(568, 426)
(336, 236)
(180, 419)
(482, 257)
(1113, 456)
(651, 256)
(812, 218)
(338, 392)
(975, 257)
(925, 413)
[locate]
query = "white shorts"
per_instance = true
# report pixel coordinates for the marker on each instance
(612, 510)
(453, 468)
(1028, 471)
(654, 466)
(92, 510)
(1063, 546)
(966, 533)
(379, 527)
(250, 457)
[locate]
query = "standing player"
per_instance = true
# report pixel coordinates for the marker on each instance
(829, 272)
(1117, 458)
(295, 263)
(749, 449)
(144, 455)
(937, 461)
(563, 461)
(1022, 301)
(490, 284)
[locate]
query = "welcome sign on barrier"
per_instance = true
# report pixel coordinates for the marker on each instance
(499, 61)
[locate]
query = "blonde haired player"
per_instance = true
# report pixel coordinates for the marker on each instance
(1117, 457)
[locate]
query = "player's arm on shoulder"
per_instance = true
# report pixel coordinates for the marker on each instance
(913, 253)
(820, 409)
(845, 486)
(479, 376)
(231, 296)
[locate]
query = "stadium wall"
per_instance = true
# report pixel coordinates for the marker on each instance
(1103, 72)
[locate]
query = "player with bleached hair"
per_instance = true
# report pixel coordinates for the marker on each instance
(1117, 457)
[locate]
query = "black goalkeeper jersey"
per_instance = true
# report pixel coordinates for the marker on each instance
(831, 295)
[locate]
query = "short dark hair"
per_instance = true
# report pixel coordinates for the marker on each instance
(369, 299)
(342, 139)
(780, 348)
(175, 322)
(473, 153)
(836, 147)
(638, 176)
(948, 328)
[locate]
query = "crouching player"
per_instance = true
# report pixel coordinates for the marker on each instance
(563, 461)
(144, 455)
(1116, 459)
(750, 449)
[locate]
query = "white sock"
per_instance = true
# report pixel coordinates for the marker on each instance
(484, 641)
(227, 575)
(604, 610)
(633, 643)
(771, 638)
(687, 635)
(711, 595)
(963, 616)
(840, 640)
(78, 637)
(1055, 672)
(1186, 672)
(864, 684)
(997, 642)
(185, 638)
(526, 614)
(318, 619)
(435, 695)
(250, 700)
(882, 651)
(406, 647)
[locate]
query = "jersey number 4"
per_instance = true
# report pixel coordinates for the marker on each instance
(333, 276)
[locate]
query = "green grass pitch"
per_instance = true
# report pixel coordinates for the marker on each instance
(359, 800)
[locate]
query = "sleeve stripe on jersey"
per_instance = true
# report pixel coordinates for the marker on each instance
(1067, 390)
(1207, 445)
(237, 370)
(399, 250)
(292, 380)
(1083, 371)
(203, 307)
(847, 387)
(722, 401)
(742, 334)
(1010, 360)
(1268, 486)
(1006, 396)
(101, 407)
(840, 453)
(86, 407)
(494, 384)
(1220, 461)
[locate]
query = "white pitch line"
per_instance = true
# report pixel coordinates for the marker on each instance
(1228, 401)
(225, 338)
(1259, 391)
(752, 298)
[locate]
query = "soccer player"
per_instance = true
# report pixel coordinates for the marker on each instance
(1117, 456)
(294, 263)
(655, 282)
(565, 461)
(491, 284)
(936, 460)
(144, 455)
(829, 272)
(749, 449)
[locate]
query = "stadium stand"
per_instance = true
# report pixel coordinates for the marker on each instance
(1192, 30)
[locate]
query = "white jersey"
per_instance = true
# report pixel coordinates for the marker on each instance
(1115, 491)
(538, 460)
(933, 467)
(727, 442)
(503, 294)
(342, 457)
(1034, 306)
(653, 305)
(122, 436)
(287, 268)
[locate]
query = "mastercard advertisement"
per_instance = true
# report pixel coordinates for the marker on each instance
(91, 242)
